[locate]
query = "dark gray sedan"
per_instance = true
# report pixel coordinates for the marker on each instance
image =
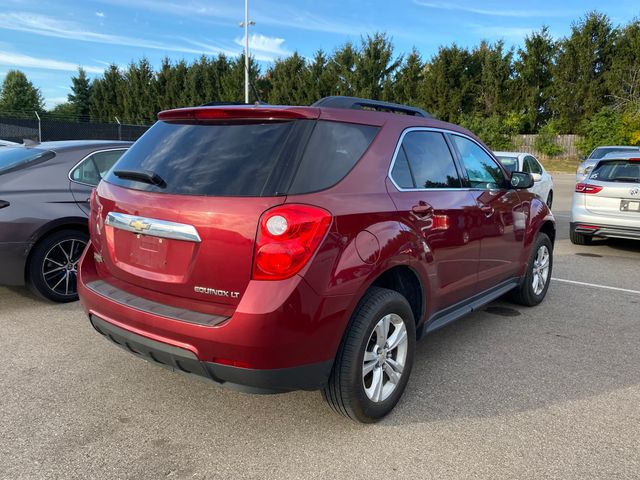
(44, 204)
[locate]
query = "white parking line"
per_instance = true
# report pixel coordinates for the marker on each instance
(594, 285)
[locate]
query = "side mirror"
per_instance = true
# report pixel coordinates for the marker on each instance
(521, 180)
(536, 177)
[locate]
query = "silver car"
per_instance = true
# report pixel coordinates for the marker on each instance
(607, 203)
(584, 169)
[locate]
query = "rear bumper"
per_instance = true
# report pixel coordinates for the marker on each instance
(13, 257)
(282, 336)
(605, 231)
(305, 377)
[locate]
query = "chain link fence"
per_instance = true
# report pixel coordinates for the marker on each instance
(47, 129)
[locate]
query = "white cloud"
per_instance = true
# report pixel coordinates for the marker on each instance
(261, 46)
(495, 12)
(100, 14)
(51, 27)
(12, 59)
(287, 16)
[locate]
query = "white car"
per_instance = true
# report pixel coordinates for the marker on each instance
(607, 203)
(7, 143)
(525, 162)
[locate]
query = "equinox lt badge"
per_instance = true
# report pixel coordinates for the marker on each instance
(217, 293)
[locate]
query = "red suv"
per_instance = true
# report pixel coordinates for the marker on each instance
(279, 248)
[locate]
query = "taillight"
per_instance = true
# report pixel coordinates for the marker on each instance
(586, 188)
(287, 238)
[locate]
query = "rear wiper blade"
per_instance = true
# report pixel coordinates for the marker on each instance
(146, 176)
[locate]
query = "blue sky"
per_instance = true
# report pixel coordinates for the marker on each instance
(49, 39)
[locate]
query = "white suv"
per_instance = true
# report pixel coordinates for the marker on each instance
(607, 203)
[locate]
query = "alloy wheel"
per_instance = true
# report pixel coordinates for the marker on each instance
(60, 266)
(540, 273)
(385, 358)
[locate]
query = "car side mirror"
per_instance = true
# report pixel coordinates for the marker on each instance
(521, 180)
(536, 177)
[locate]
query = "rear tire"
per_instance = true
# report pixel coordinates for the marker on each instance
(536, 281)
(372, 367)
(53, 265)
(578, 238)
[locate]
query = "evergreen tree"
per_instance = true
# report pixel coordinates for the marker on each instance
(289, 79)
(19, 97)
(321, 79)
(406, 85)
(139, 94)
(579, 89)
(447, 90)
(80, 96)
(374, 65)
(534, 78)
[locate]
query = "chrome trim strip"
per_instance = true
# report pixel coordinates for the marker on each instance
(85, 158)
(428, 129)
(153, 227)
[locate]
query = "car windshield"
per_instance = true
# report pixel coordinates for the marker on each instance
(600, 152)
(617, 171)
(510, 163)
(12, 159)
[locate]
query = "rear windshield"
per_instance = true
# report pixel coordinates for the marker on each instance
(510, 163)
(16, 158)
(244, 159)
(600, 152)
(617, 171)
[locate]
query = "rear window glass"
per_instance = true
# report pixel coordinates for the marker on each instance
(244, 159)
(12, 159)
(617, 171)
(600, 152)
(205, 159)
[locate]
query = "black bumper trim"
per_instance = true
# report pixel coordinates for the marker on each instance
(607, 231)
(305, 377)
(117, 295)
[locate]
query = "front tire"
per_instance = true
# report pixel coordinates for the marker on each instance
(550, 199)
(53, 265)
(375, 357)
(536, 281)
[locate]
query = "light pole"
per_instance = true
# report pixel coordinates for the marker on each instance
(246, 24)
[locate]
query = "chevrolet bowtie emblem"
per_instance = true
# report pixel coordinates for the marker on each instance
(139, 225)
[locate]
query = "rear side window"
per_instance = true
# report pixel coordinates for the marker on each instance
(332, 151)
(617, 171)
(93, 168)
(244, 159)
(428, 160)
(12, 159)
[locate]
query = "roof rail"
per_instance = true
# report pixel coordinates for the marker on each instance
(223, 104)
(356, 103)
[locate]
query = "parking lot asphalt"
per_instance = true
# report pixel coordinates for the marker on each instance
(508, 392)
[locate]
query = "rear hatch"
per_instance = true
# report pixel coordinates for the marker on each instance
(178, 214)
(619, 194)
